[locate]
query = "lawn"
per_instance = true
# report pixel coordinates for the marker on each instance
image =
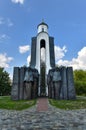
(7, 103)
(79, 103)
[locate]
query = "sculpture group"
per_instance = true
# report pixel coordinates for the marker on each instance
(61, 83)
(59, 80)
(25, 83)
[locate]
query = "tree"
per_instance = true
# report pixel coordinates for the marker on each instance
(80, 75)
(5, 82)
(80, 82)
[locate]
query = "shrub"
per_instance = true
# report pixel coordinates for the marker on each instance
(80, 87)
(5, 83)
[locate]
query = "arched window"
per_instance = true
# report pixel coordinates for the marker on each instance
(42, 43)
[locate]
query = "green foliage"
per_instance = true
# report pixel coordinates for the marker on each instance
(7, 103)
(5, 83)
(69, 104)
(80, 75)
(80, 87)
(80, 82)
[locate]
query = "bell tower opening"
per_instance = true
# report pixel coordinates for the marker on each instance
(42, 68)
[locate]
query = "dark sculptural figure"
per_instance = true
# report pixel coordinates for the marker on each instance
(31, 83)
(54, 83)
(28, 83)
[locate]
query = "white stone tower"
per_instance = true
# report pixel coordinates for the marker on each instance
(42, 40)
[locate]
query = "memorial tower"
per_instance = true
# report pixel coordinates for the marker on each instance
(42, 40)
(42, 78)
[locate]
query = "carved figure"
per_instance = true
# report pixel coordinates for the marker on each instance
(50, 83)
(28, 80)
(56, 83)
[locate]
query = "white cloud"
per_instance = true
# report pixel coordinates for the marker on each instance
(59, 52)
(5, 60)
(9, 22)
(4, 37)
(2, 21)
(6, 21)
(76, 63)
(18, 1)
(28, 60)
(24, 49)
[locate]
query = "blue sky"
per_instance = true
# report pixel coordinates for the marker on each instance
(67, 24)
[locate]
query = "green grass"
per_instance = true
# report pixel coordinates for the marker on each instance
(7, 103)
(79, 103)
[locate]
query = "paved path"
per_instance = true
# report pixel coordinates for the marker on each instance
(49, 119)
(42, 104)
